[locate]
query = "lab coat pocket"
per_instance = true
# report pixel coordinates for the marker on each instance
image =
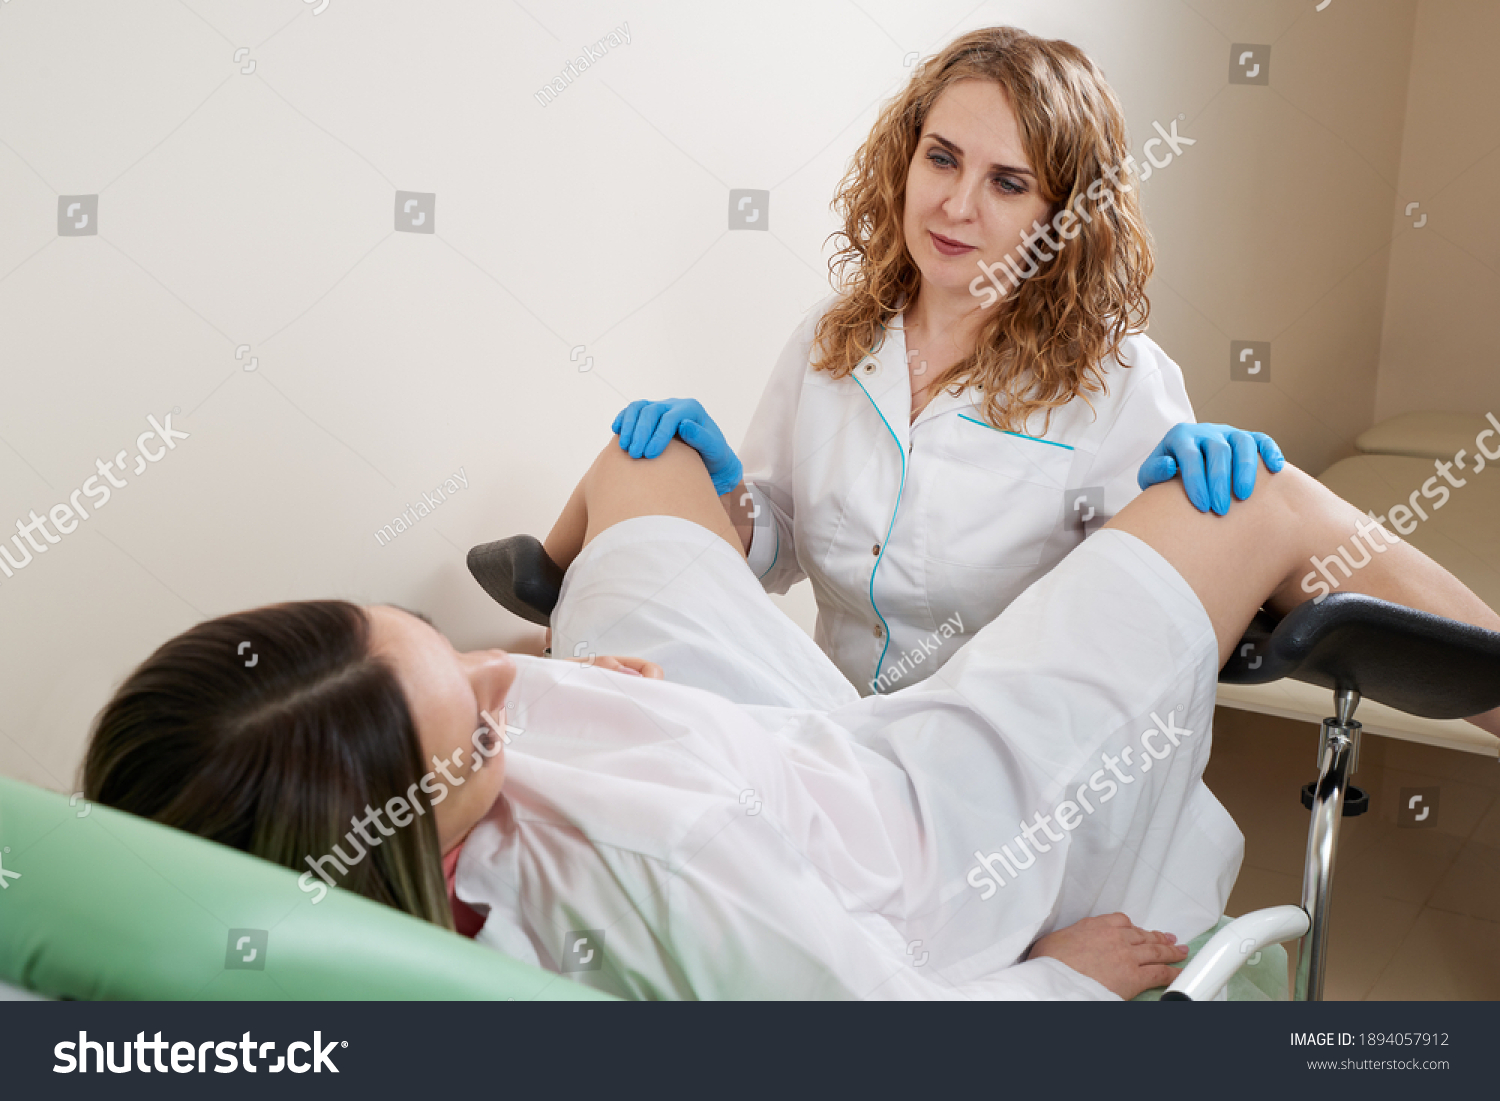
(999, 496)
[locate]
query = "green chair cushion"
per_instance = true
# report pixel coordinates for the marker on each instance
(110, 906)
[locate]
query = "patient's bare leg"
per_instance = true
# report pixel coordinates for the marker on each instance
(617, 487)
(1261, 552)
(565, 539)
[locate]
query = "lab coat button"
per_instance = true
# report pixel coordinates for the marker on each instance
(879, 633)
(875, 550)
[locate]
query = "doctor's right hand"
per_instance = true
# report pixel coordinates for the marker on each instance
(646, 427)
(1115, 954)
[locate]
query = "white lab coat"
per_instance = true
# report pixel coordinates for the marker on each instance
(708, 849)
(901, 526)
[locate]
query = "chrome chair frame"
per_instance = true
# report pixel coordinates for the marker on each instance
(1359, 647)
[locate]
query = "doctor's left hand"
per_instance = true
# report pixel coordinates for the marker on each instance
(646, 427)
(1206, 455)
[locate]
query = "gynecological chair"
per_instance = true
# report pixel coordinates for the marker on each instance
(99, 904)
(1359, 647)
(102, 905)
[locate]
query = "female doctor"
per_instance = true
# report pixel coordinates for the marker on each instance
(939, 434)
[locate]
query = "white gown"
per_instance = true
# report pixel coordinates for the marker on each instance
(834, 848)
(903, 527)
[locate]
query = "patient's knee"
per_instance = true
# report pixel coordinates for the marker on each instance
(675, 452)
(677, 459)
(1292, 487)
(679, 453)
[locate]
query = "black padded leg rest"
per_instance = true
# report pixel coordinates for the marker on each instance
(1413, 661)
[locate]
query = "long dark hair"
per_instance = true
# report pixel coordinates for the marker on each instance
(270, 730)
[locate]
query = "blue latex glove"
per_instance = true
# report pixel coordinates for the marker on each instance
(646, 427)
(1205, 454)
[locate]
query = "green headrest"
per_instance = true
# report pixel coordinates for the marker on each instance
(99, 904)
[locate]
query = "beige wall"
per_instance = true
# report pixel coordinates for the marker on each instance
(257, 208)
(1438, 350)
(1277, 227)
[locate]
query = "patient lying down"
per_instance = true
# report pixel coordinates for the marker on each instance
(658, 839)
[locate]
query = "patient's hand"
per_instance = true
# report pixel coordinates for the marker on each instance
(1114, 953)
(638, 667)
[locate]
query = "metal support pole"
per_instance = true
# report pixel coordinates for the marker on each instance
(1338, 752)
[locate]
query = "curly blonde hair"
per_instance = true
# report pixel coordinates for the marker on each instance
(1045, 344)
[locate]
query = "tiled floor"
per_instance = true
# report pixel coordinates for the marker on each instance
(1415, 911)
